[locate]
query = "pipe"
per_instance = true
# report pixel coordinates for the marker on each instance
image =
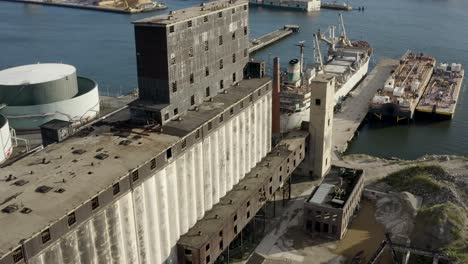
(276, 97)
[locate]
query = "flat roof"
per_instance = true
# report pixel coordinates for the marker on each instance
(35, 73)
(82, 176)
(190, 12)
(321, 194)
(215, 219)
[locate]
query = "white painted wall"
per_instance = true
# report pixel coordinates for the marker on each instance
(144, 225)
(6, 148)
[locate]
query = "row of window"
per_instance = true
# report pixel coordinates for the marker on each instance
(205, 19)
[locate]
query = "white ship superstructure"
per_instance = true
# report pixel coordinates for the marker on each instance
(347, 60)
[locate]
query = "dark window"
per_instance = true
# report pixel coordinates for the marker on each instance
(207, 247)
(205, 19)
(174, 87)
(271, 190)
(221, 64)
(234, 77)
(220, 14)
(248, 214)
(317, 227)
(234, 10)
(235, 217)
(171, 29)
(207, 259)
(325, 227)
(190, 52)
(221, 246)
(248, 203)
(221, 118)
(184, 143)
(328, 121)
(17, 255)
(233, 58)
(176, 111)
(235, 229)
(233, 35)
(246, 52)
(169, 153)
(259, 92)
(153, 163)
(207, 71)
(116, 186)
(187, 251)
(280, 178)
(221, 233)
(281, 168)
(231, 111)
(135, 175)
(189, 23)
(317, 101)
(326, 161)
(207, 91)
(45, 235)
(166, 116)
(192, 100)
(221, 84)
(191, 78)
(197, 134)
(245, 30)
(210, 126)
(95, 203)
(245, 7)
(242, 104)
(220, 40)
(250, 98)
(206, 45)
(71, 219)
(271, 179)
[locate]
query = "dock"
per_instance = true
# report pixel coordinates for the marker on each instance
(78, 6)
(270, 38)
(336, 6)
(354, 109)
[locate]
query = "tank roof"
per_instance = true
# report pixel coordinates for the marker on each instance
(35, 73)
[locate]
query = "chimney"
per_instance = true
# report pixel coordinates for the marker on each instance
(276, 97)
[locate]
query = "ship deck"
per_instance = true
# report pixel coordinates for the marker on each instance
(441, 95)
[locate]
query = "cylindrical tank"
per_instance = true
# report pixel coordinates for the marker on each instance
(6, 148)
(294, 70)
(37, 84)
(443, 66)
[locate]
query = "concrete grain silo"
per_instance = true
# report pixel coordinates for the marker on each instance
(37, 93)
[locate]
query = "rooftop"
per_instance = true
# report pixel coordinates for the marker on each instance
(335, 188)
(35, 73)
(94, 159)
(190, 12)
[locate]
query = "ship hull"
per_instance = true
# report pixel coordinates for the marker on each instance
(290, 121)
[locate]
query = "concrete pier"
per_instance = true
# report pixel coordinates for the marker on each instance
(270, 38)
(355, 107)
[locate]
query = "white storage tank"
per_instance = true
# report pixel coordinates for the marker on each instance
(443, 66)
(389, 85)
(37, 93)
(6, 148)
(457, 67)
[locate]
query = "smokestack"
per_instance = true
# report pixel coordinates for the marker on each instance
(276, 97)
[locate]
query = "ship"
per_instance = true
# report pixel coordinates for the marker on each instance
(441, 95)
(347, 60)
(403, 88)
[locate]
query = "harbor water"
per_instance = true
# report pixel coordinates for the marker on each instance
(101, 45)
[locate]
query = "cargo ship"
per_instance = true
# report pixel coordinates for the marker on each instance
(403, 89)
(346, 59)
(441, 95)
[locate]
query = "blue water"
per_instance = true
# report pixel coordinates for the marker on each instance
(101, 46)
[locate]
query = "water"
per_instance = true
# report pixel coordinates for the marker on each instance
(101, 46)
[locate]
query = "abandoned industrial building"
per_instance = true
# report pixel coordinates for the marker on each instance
(331, 205)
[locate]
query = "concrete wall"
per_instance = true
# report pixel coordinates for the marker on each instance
(320, 125)
(144, 225)
(178, 61)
